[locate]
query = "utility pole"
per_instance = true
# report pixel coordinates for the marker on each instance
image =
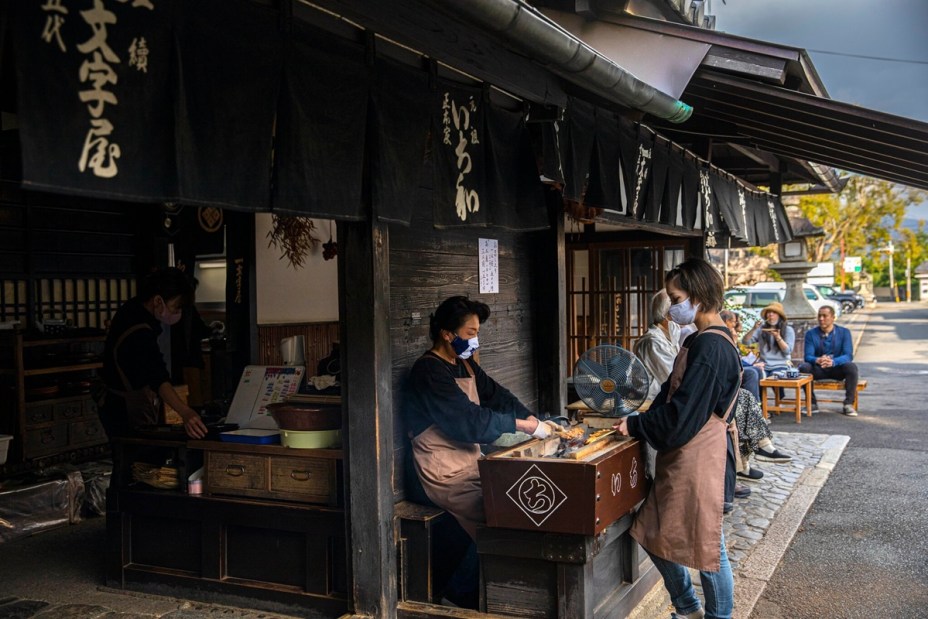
(892, 276)
(908, 278)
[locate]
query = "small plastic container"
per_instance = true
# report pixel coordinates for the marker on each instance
(195, 486)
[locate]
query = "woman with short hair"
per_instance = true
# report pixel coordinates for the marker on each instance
(680, 522)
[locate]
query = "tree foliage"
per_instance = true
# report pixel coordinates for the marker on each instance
(861, 219)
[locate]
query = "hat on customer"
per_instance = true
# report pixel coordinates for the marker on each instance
(774, 307)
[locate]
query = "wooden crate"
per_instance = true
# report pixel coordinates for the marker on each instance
(524, 490)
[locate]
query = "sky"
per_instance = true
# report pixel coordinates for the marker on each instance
(884, 29)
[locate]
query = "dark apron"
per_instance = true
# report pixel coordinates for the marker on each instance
(448, 468)
(142, 405)
(681, 520)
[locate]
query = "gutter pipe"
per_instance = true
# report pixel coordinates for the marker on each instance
(543, 40)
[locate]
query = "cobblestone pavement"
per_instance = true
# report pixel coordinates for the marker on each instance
(752, 516)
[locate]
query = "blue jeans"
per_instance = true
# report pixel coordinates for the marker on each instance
(750, 380)
(718, 587)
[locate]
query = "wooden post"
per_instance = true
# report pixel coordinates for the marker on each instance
(551, 315)
(367, 403)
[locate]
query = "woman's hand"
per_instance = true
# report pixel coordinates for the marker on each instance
(621, 427)
(531, 425)
(193, 425)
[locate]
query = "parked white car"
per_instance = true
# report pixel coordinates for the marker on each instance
(762, 294)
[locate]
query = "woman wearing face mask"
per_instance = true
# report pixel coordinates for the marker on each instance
(134, 371)
(774, 337)
(680, 522)
(451, 406)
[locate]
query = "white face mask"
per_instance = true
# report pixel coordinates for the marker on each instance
(464, 348)
(684, 312)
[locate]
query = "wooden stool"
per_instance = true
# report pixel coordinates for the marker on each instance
(415, 528)
(801, 384)
(828, 384)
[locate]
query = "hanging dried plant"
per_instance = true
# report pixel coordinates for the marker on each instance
(293, 236)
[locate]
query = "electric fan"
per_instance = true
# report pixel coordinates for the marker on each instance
(611, 380)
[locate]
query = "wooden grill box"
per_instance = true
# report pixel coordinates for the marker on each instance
(522, 490)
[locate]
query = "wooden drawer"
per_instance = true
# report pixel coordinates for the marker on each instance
(69, 410)
(88, 431)
(46, 440)
(230, 473)
(39, 413)
(310, 480)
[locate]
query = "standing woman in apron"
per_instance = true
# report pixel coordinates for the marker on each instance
(452, 406)
(134, 372)
(680, 522)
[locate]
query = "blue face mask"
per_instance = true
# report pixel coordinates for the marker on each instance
(464, 348)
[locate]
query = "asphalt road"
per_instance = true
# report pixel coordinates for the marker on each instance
(862, 550)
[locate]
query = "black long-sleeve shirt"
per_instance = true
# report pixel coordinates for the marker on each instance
(710, 382)
(433, 397)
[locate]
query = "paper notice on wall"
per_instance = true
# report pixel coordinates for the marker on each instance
(489, 266)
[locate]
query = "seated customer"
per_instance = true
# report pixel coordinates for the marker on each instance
(774, 337)
(828, 354)
(659, 346)
(750, 374)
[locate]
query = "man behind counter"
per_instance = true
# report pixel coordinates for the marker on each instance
(134, 370)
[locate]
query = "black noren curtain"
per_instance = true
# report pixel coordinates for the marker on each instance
(551, 165)
(779, 221)
(400, 99)
(516, 199)
(660, 161)
(603, 189)
(229, 54)
(671, 202)
(577, 148)
(636, 144)
(708, 201)
(321, 127)
(690, 197)
(460, 195)
(94, 97)
(725, 197)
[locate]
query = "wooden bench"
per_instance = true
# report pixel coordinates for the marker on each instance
(830, 384)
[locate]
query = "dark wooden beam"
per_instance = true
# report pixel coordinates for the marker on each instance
(367, 403)
(551, 313)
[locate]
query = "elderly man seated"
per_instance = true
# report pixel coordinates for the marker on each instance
(751, 375)
(828, 354)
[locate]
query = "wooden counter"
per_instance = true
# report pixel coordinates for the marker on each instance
(276, 547)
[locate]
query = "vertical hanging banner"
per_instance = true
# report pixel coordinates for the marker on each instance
(577, 148)
(712, 220)
(636, 144)
(321, 127)
(458, 134)
(660, 161)
(400, 99)
(672, 202)
(690, 192)
(603, 189)
(229, 55)
(93, 83)
(514, 191)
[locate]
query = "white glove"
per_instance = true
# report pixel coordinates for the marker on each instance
(542, 430)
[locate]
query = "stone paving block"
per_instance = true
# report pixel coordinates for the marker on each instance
(72, 611)
(21, 609)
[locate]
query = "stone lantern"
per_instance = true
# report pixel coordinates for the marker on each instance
(793, 267)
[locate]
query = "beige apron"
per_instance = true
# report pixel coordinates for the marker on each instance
(448, 468)
(681, 520)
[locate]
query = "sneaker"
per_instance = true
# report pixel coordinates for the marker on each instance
(727, 507)
(752, 475)
(815, 409)
(742, 492)
(849, 410)
(772, 456)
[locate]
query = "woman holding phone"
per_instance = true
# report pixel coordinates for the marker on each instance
(774, 337)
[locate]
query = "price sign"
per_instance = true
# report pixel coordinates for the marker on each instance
(852, 264)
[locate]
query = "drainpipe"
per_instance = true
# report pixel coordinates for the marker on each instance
(527, 30)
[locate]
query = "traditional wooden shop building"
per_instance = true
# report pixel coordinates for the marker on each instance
(446, 141)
